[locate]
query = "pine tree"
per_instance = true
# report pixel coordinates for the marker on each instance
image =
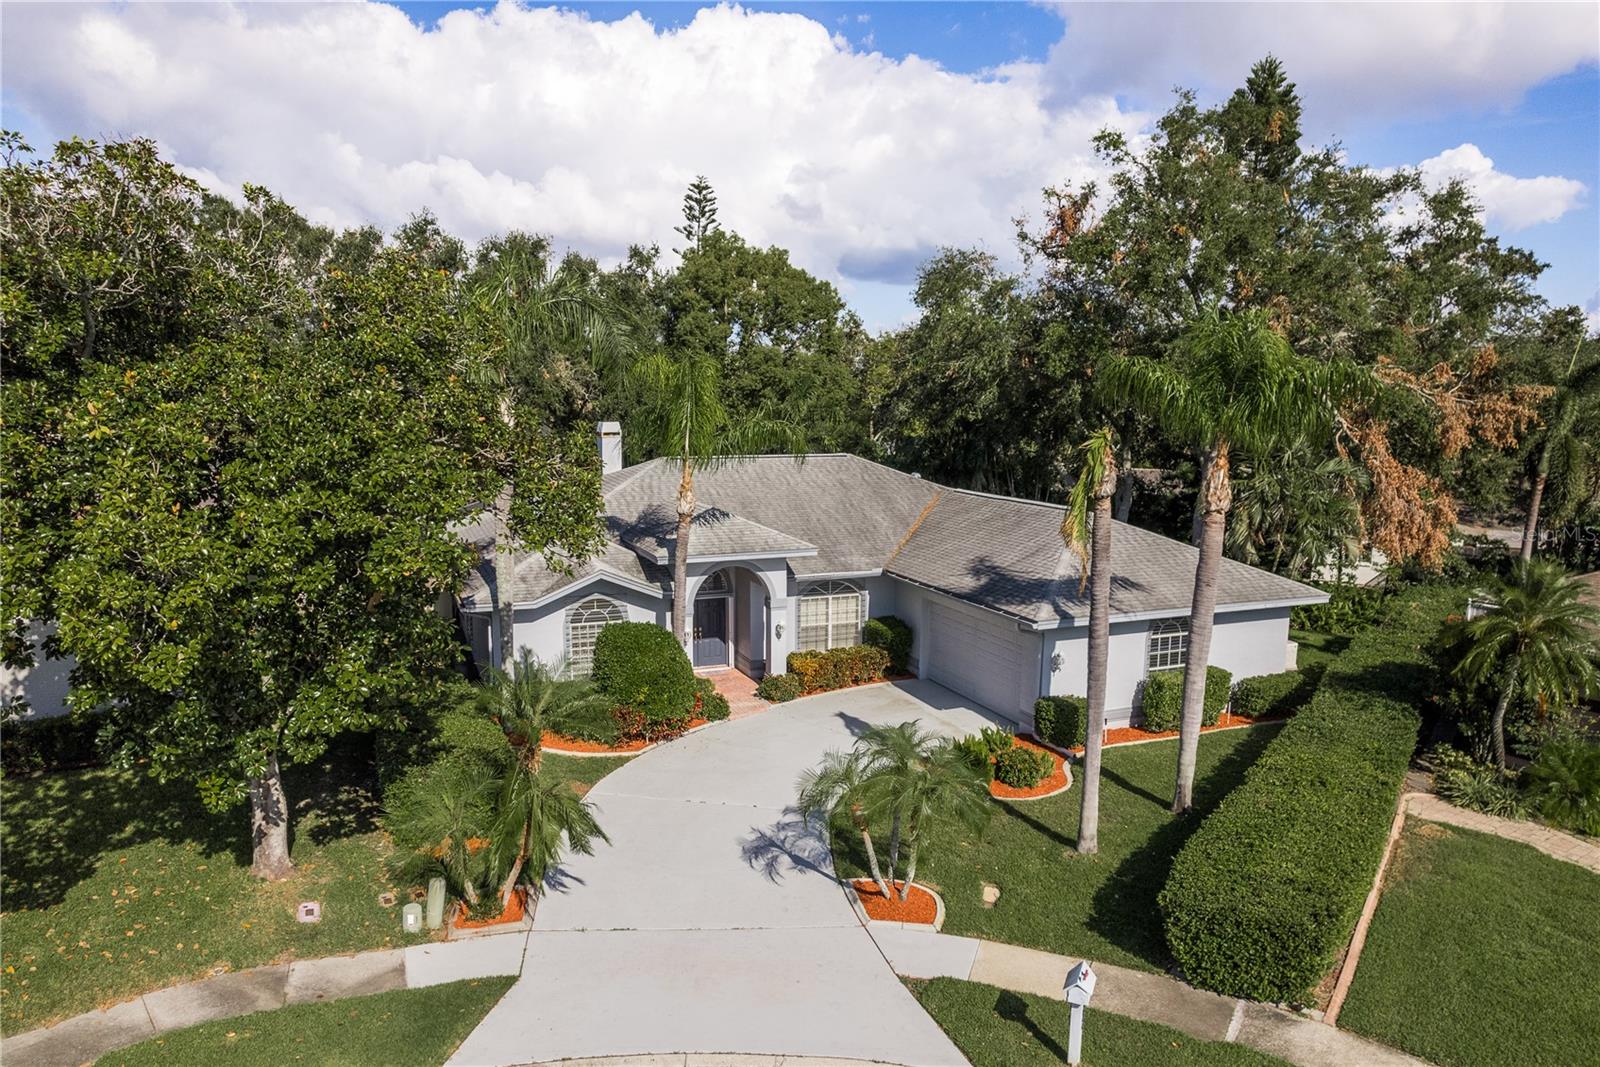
(699, 213)
(1261, 121)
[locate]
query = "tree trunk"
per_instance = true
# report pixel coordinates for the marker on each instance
(894, 846)
(872, 856)
(1217, 494)
(510, 883)
(680, 556)
(911, 872)
(505, 563)
(269, 824)
(1531, 527)
(1099, 645)
(1497, 726)
(1197, 521)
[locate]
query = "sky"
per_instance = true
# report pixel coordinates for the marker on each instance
(860, 136)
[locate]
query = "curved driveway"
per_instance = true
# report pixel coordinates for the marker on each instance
(713, 923)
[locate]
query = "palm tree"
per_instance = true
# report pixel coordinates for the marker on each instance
(532, 698)
(1538, 641)
(1567, 446)
(686, 420)
(441, 819)
(1086, 528)
(834, 787)
(1234, 384)
(533, 309)
(1294, 511)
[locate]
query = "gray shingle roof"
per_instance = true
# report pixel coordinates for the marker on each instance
(533, 579)
(861, 517)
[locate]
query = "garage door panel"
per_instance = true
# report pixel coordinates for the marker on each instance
(984, 658)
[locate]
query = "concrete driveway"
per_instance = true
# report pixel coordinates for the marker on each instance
(713, 923)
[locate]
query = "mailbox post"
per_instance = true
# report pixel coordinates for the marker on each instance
(1079, 988)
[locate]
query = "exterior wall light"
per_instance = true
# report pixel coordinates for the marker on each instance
(1055, 663)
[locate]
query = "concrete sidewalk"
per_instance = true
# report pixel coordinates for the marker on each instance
(1153, 998)
(87, 1037)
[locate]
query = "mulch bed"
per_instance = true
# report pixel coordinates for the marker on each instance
(858, 685)
(920, 907)
(512, 913)
(1123, 735)
(1055, 782)
(560, 743)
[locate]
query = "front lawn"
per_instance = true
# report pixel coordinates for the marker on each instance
(402, 1028)
(1482, 952)
(115, 884)
(1317, 650)
(1102, 907)
(997, 1028)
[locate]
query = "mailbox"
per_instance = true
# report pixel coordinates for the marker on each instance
(1080, 983)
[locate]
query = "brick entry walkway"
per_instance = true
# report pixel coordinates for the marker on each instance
(740, 691)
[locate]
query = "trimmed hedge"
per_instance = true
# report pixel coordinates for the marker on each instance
(642, 667)
(1266, 892)
(1021, 767)
(1061, 721)
(838, 667)
(779, 688)
(710, 704)
(891, 634)
(1271, 694)
(1162, 703)
(54, 744)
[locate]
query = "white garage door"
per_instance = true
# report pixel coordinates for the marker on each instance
(983, 657)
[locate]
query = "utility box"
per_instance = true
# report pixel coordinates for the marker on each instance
(411, 918)
(435, 903)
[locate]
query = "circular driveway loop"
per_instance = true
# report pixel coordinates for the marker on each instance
(713, 923)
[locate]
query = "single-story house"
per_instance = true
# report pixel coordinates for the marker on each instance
(795, 552)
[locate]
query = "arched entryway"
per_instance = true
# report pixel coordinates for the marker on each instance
(730, 621)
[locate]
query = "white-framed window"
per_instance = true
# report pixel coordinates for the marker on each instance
(830, 616)
(715, 582)
(1168, 648)
(584, 623)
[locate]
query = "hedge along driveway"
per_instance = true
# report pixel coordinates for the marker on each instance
(1264, 896)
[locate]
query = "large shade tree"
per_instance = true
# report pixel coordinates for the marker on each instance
(1231, 385)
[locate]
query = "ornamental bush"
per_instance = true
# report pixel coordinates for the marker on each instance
(710, 704)
(1163, 699)
(641, 666)
(1265, 894)
(52, 744)
(891, 634)
(1061, 721)
(1022, 767)
(836, 668)
(1271, 694)
(778, 688)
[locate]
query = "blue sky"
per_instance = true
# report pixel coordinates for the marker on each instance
(861, 136)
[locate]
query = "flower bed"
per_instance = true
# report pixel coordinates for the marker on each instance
(512, 913)
(573, 746)
(1057, 781)
(920, 907)
(1128, 735)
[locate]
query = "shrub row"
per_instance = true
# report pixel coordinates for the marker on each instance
(1061, 721)
(1162, 702)
(779, 688)
(838, 667)
(891, 634)
(1271, 694)
(1265, 894)
(53, 744)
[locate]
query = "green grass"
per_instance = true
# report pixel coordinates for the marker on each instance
(583, 771)
(1482, 952)
(115, 884)
(1102, 907)
(1317, 650)
(402, 1028)
(997, 1028)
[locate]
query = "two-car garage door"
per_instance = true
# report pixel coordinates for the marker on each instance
(984, 657)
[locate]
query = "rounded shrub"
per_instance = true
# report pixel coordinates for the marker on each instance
(641, 666)
(1061, 721)
(713, 706)
(891, 634)
(1163, 699)
(779, 688)
(1022, 767)
(1271, 694)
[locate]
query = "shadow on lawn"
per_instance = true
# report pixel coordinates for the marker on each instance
(1014, 1009)
(58, 827)
(1124, 911)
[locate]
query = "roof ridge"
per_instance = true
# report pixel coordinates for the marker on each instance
(916, 524)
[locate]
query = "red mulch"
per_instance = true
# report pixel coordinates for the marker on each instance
(1057, 778)
(512, 914)
(920, 907)
(561, 743)
(1124, 734)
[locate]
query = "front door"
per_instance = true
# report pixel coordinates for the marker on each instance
(711, 632)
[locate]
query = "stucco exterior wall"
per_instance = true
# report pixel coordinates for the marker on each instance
(43, 686)
(542, 630)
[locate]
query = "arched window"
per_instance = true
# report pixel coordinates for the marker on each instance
(584, 623)
(830, 616)
(1169, 645)
(716, 582)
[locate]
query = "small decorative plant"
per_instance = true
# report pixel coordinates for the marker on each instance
(1022, 768)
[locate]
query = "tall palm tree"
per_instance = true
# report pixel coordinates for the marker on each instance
(1294, 511)
(1086, 528)
(1538, 641)
(686, 420)
(1233, 383)
(1567, 445)
(533, 309)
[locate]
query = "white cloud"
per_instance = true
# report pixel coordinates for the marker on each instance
(1350, 60)
(1592, 313)
(545, 120)
(1509, 203)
